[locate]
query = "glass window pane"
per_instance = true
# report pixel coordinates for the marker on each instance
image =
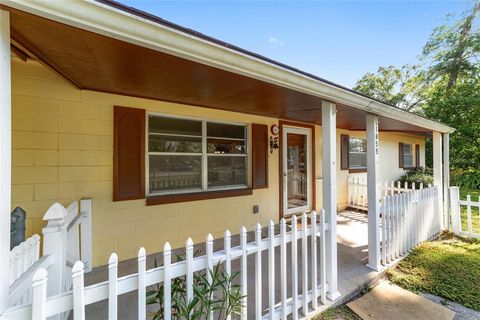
(161, 143)
(357, 157)
(158, 124)
(407, 155)
(221, 146)
(297, 167)
(226, 171)
(358, 145)
(225, 130)
(169, 173)
(357, 160)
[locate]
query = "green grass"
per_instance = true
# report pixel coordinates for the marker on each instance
(475, 194)
(338, 313)
(448, 267)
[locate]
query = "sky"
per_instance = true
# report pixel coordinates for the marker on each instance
(336, 40)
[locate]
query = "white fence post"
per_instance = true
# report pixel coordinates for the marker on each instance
(304, 264)
(54, 245)
(189, 276)
(167, 282)
(39, 294)
(295, 268)
(283, 268)
(243, 245)
(78, 291)
(258, 271)
(86, 233)
(313, 257)
(455, 209)
(112, 286)
(323, 274)
(209, 257)
(271, 270)
(142, 283)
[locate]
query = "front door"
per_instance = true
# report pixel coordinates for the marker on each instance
(296, 162)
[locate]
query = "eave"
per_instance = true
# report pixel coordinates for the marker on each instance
(117, 23)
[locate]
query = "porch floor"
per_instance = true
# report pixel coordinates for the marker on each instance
(352, 239)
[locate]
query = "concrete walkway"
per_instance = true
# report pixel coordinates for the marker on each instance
(353, 275)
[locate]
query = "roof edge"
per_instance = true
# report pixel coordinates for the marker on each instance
(118, 21)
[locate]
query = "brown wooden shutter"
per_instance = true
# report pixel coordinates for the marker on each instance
(259, 156)
(129, 154)
(417, 155)
(400, 155)
(345, 148)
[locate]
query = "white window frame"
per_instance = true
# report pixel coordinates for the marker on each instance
(349, 152)
(204, 155)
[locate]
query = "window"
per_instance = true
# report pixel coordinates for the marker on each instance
(407, 156)
(191, 155)
(357, 154)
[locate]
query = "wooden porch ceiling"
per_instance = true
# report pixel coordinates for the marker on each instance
(95, 62)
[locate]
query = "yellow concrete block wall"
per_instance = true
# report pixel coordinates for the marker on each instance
(63, 151)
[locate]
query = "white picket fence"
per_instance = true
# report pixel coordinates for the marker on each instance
(309, 237)
(66, 230)
(408, 219)
(455, 208)
(22, 258)
(357, 191)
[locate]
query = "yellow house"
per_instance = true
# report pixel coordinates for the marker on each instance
(173, 134)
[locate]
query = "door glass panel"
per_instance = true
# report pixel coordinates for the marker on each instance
(296, 170)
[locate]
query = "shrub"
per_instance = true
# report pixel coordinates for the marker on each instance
(220, 297)
(465, 178)
(417, 176)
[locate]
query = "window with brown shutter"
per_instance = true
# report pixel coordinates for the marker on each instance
(417, 155)
(400, 155)
(344, 146)
(259, 156)
(129, 154)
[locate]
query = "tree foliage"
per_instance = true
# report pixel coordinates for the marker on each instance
(444, 86)
(403, 87)
(453, 49)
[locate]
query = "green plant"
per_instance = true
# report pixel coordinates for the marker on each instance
(216, 294)
(465, 178)
(417, 176)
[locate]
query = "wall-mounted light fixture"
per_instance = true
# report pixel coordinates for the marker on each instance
(274, 139)
(273, 143)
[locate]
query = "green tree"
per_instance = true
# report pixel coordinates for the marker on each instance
(403, 87)
(453, 50)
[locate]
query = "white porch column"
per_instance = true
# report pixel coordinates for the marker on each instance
(329, 173)
(373, 193)
(437, 170)
(5, 156)
(446, 179)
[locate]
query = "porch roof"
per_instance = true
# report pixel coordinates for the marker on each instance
(105, 46)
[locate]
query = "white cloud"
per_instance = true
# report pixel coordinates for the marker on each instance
(276, 42)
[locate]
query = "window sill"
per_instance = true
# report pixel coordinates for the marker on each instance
(195, 196)
(357, 170)
(410, 168)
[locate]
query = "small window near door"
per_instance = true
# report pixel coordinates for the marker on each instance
(407, 155)
(357, 154)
